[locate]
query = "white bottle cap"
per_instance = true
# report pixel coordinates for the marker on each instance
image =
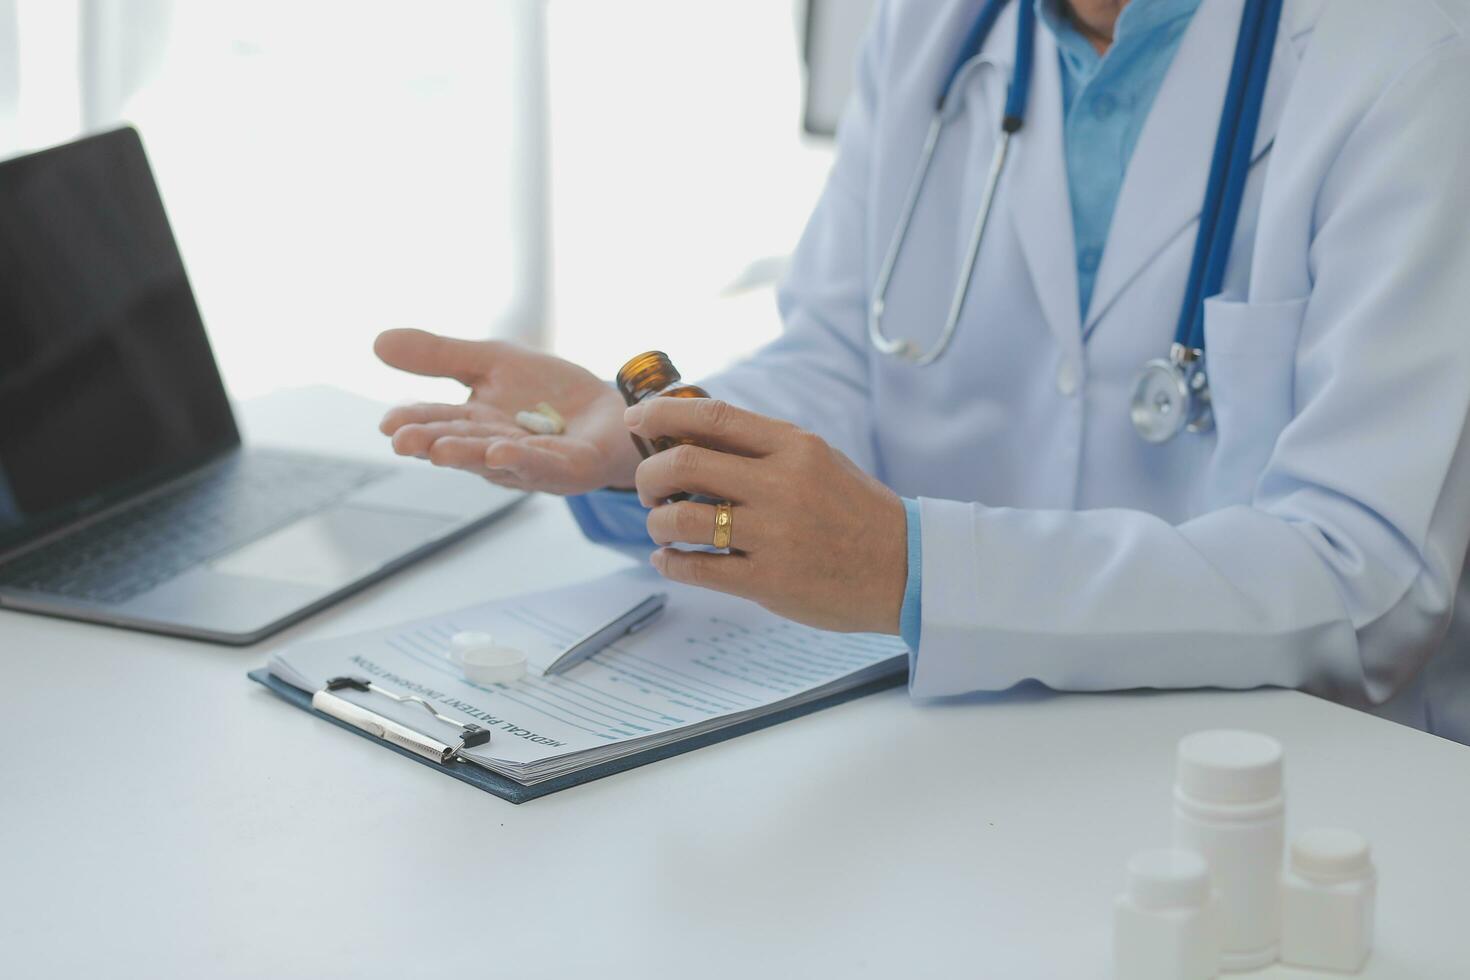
(1224, 766)
(483, 661)
(1167, 879)
(1330, 853)
(468, 641)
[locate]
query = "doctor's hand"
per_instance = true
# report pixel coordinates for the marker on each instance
(813, 538)
(481, 435)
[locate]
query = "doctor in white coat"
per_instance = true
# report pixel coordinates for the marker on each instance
(997, 507)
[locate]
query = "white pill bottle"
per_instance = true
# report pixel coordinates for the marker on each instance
(1229, 808)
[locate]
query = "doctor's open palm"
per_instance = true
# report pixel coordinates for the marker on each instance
(481, 435)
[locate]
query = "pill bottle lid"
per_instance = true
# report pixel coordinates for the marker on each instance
(1330, 852)
(1168, 879)
(484, 661)
(1226, 766)
(469, 641)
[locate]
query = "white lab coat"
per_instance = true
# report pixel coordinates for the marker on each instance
(1316, 538)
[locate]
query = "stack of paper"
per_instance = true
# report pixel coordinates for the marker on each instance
(708, 662)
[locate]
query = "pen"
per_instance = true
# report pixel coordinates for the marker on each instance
(604, 636)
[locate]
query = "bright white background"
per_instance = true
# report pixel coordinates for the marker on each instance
(333, 168)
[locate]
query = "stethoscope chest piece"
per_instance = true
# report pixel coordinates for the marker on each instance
(1172, 395)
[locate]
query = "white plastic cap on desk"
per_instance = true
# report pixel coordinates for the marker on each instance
(1226, 766)
(468, 641)
(1330, 854)
(484, 661)
(1168, 879)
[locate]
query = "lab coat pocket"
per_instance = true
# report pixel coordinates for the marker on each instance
(1251, 362)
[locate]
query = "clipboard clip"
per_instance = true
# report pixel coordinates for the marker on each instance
(328, 702)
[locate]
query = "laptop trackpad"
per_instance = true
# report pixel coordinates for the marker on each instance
(332, 547)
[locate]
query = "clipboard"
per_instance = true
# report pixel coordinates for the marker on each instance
(514, 792)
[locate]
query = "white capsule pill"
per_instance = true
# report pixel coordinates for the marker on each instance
(483, 661)
(538, 423)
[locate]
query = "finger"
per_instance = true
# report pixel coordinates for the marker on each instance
(401, 415)
(479, 428)
(526, 457)
(707, 570)
(696, 470)
(503, 478)
(468, 455)
(550, 463)
(462, 453)
(414, 439)
(709, 422)
(688, 522)
(421, 352)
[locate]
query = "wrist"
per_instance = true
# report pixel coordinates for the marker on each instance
(911, 613)
(891, 567)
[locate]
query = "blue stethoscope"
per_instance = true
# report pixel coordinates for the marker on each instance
(1172, 394)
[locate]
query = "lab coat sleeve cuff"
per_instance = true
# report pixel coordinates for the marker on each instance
(910, 614)
(949, 569)
(614, 518)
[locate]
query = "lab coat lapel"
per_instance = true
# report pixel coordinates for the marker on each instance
(1164, 186)
(1039, 201)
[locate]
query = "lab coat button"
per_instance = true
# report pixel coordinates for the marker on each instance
(1067, 379)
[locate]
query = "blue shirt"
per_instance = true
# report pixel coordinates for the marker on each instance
(1107, 98)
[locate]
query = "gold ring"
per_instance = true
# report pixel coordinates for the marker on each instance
(724, 523)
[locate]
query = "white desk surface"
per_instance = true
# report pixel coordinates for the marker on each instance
(163, 816)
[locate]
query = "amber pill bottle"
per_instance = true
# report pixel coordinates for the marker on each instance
(653, 375)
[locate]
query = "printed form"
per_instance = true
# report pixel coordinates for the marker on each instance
(708, 661)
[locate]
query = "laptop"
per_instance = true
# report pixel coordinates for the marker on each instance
(126, 496)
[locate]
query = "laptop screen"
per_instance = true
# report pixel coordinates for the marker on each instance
(107, 382)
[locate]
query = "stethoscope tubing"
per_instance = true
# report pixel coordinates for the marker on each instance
(1013, 119)
(1219, 213)
(970, 47)
(1234, 146)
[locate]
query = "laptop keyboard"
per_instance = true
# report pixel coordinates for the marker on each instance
(139, 547)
